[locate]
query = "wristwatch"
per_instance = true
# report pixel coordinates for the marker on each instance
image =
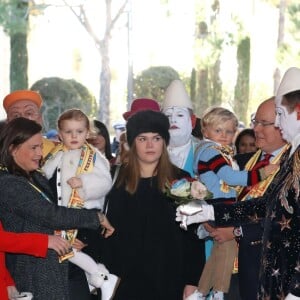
(237, 232)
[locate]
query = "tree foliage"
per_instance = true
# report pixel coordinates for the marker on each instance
(209, 44)
(152, 82)
(14, 16)
(60, 94)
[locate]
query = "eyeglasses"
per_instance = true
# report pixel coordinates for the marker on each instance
(262, 123)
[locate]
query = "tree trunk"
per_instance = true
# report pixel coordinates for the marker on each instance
(202, 90)
(18, 47)
(241, 92)
(18, 62)
(280, 41)
(216, 84)
(105, 80)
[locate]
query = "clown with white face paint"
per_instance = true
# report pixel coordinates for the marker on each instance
(279, 274)
(177, 106)
(288, 107)
(180, 125)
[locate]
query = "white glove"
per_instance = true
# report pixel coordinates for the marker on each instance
(291, 297)
(202, 232)
(194, 212)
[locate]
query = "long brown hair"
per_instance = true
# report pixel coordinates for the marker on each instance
(130, 172)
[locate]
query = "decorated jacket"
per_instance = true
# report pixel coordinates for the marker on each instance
(216, 168)
(279, 210)
(96, 180)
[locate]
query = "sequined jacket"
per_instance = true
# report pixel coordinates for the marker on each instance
(279, 210)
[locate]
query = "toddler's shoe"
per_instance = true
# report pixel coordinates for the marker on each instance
(196, 296)
(109, 287)
(96, 280)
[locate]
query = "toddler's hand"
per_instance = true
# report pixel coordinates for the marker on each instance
(74, 182)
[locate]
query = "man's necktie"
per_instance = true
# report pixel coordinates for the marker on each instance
(261, 163)
(264, 162)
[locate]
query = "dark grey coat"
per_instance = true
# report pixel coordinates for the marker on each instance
(25, 209)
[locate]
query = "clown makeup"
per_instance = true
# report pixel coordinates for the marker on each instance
(180, 125)
(286, 121)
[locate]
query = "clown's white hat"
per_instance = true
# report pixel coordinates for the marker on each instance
(290, 82)
(176, 95)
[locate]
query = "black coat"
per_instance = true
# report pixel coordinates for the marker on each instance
(149, 251)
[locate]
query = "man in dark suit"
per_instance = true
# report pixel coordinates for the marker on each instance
(269, 141)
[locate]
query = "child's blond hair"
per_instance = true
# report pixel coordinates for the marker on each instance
(217, 115)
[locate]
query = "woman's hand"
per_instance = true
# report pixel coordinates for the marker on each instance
(108, 230)
(12, 292)
(59, 244)
(189, 290)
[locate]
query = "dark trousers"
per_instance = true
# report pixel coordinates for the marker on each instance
(249, 260)
(234, 291)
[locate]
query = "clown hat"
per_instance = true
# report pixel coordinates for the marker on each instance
(176, 95)
(22, 95)
(290, 82)
(141, 104)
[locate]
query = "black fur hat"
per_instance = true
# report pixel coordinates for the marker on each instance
(147, 121)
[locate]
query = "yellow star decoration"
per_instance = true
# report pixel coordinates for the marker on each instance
(285, 223)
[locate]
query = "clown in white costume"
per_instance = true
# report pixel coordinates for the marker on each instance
(82, 180)
(177, 106)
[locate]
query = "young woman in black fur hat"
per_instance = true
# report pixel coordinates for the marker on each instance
(149, 250)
